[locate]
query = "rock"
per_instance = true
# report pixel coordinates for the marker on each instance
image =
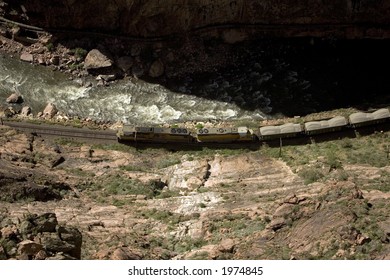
(41, 255)
(55, 60)
(96, 60)
(49, 111)
(29, 248)
(56, 161)
(27, 57)
(124, 63)
(52, 242)
(9, 232)
(3, 255)
(15, 98)
(26, 227)
(137, 70)
(276, 224)
(227, 245)
(45, 223)
(291, 199)
(106, 78)
(284, 210)
(26, 111)
(72, 236)
(156, 69)
(125, 253)
(362, 239)
(60, 257)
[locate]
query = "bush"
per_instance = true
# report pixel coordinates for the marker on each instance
(311, 175)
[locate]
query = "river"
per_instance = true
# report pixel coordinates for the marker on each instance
(267, 79)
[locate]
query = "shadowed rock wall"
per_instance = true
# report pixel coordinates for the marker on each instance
(154, 18)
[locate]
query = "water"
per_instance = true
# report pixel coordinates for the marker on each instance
(130, 101)
(262, 79)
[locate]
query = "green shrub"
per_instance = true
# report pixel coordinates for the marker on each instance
(311, 175)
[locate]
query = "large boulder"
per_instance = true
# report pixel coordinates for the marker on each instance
(29, 248)
(15, 98)
(50, 111)
(26, 111)
(97, 59)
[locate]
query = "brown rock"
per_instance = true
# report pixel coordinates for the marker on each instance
(125, 253)
(156, 69)
(26, 111)
(41, 255)
(227, 245)
(96, 59)
(29, 248)
(125, 63)
(284, 210)
(14, 98)
(50, 111)
(27, 57)
(276, 224)
(362, 239)
(8, 232)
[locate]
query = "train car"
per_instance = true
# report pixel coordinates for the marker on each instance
(225, 135)
(362, 119)
(154, 134)
(280, 131)
(333, 124)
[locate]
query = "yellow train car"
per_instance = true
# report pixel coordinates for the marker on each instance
(154, 134)
(225, 135)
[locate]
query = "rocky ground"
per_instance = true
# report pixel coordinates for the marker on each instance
(64, 199)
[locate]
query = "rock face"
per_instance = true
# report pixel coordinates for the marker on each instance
(161, 18)
(39, 237)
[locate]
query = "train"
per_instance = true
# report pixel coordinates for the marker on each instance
(243, 134)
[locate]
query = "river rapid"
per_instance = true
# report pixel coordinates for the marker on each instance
(265, 79)
(130, 101)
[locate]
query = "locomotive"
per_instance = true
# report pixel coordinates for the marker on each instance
(243, 134)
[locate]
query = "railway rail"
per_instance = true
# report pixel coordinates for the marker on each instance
(62, 131)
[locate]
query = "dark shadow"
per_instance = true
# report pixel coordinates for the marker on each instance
(294, 77)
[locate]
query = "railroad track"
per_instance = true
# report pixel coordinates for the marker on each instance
(63, 132)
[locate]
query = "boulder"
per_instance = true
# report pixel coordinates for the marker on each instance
(125, 253)
(125, 63)
(26, 111)
(15, 98)
(45, 223)
(27, 57)
(227, 245)
(29, 248)
(49, 111)
(156, 69)
(96, 60)
(276, 224)
(72, 236)
(52, 242)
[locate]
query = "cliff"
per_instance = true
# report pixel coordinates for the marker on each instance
(156, 18)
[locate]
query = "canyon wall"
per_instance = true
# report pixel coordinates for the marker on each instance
(159, 18)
